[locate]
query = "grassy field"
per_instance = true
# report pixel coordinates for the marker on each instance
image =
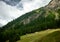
(50, 35)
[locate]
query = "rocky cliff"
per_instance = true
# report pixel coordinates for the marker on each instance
(53, 4)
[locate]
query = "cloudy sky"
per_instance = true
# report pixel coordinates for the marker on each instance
(12, 9)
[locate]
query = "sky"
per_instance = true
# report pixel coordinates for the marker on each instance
(8, 12)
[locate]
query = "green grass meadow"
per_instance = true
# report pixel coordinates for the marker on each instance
(50, 35)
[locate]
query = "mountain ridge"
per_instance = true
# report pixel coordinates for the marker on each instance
(47, 8)
(47, 17)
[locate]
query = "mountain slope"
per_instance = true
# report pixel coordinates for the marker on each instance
(47, 17)
(42, 12)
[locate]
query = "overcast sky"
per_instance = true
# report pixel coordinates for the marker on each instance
(8, 12)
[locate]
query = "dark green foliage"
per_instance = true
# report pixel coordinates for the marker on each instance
(58, 21)
(58, 11)
(16, 28)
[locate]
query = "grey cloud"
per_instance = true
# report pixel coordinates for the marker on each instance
(3, 15)
(11, 2)
(20, 4)
(27, 0)
(1, 25)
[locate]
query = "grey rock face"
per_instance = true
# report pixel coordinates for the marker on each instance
(53, 4)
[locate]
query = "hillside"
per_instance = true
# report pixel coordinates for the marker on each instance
(51, 35)
(47, 17)
(52, 8)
